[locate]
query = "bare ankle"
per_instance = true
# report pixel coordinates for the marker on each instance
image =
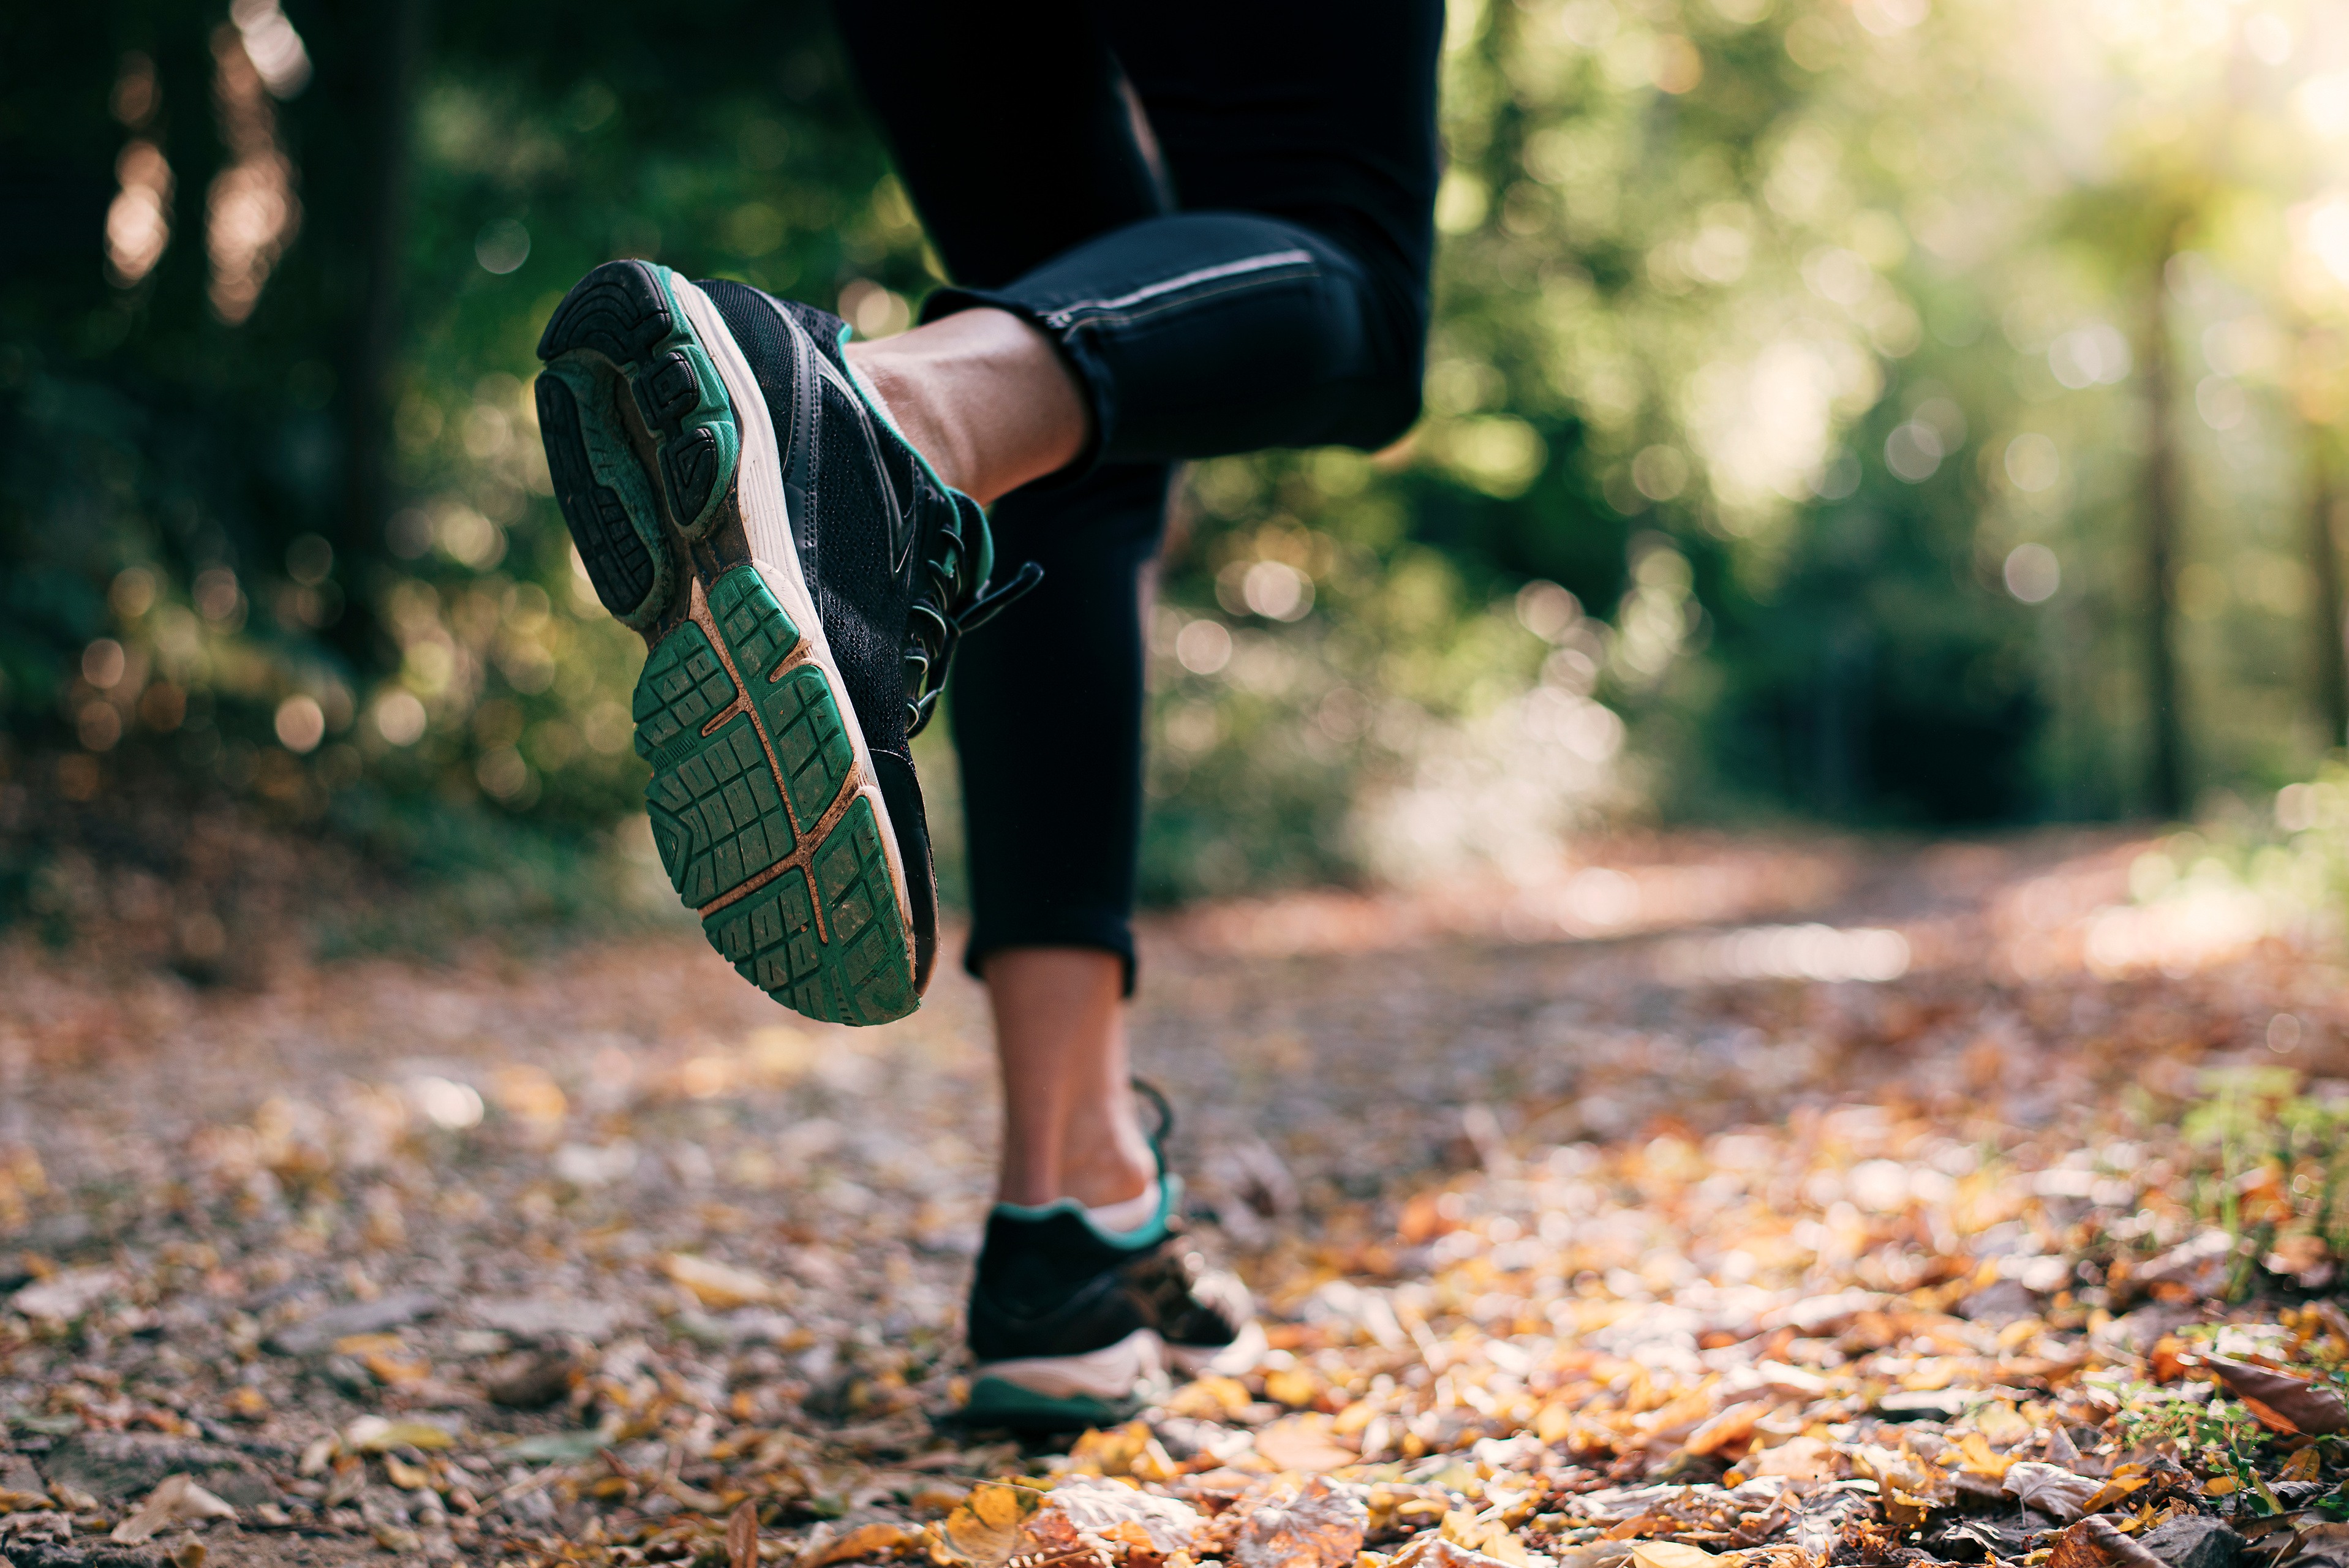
(891, 380)
(982, 395)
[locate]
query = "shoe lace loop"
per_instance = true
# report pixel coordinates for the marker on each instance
(953, 598)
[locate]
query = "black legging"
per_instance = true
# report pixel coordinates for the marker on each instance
(1263, 283)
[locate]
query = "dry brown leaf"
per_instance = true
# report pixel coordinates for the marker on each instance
(1085, 1512)
(2282, 1402)
(2096, 1543)
(178, 1501)
(405, 1476)
(1320, 1526)
(1733, 1425)
(1433, 1550)
(2050, 1488)
(742, 1535)
(1301, 1443)
(1802, 1457)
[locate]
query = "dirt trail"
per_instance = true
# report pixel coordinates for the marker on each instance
(502, 1259)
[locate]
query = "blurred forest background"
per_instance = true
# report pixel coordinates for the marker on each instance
(1894, 413)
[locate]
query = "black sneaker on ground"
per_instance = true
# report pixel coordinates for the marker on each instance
(799, 576)
(1073, 1327)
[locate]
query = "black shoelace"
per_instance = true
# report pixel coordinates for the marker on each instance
(955, 600)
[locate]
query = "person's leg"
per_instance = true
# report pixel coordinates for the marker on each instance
(1015, 143)
(1047, 711)
(1188, 333)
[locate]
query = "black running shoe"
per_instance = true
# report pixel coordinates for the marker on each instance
(1072, 1327)
(799, 576)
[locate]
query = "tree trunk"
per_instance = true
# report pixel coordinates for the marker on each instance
(2324, 508)
(2165, 729)
(393, 34)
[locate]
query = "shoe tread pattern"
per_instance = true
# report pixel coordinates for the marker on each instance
(721, 817)
(628, 569)
(619, 333)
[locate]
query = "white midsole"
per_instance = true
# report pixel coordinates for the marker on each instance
(1247, 1349)
(766, 520)
(1111, 1373)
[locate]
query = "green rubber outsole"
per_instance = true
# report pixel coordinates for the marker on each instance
(757, 813)
(997, 1402)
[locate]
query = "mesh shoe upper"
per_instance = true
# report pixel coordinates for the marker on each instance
(1048, 1284)
(856, 495)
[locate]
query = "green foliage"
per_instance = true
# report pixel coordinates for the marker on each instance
(1787, 425)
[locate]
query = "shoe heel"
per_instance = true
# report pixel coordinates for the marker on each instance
(638, 433)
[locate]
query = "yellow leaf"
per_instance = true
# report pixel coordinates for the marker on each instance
(374, 1435)
(1115, 1451)
(405, 1476)
(983, 1531)
(879, 1538)
(2003, 1423)
(720, 1287)
(1669, 1554)
(366, 1344)
(1294, 1387)
(1981, 1460)
(2220, 1486)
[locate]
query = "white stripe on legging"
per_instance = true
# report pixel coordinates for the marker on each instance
(1061, 317)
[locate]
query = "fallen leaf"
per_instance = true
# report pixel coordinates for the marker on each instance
(983, 1531)
(405, 1476)
(1301, 1443)
(1981, 1459)
(2050, 1488)
(557, 1447)
(1129, 1449)
(1431, 1551)
(1670, 1554)
(2282, 1402)
(392, 1538)
(178, 1501)
(866, 1541)
(1733, 1425)
(720, 1287)
(1086, 1512)
(396, 1371)
(374, 1434)
(742, 1535)
(2094, 1543)
(1320, 1526)
(1800, 1457)
(64, 1296)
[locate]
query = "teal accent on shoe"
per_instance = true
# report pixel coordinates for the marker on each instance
(625, 368)
(998, 1402)
(757, 799)
(1149, 1233)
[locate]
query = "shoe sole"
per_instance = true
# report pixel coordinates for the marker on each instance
(763, 800)
(1068, 1393)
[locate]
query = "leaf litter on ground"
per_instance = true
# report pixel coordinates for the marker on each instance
(1573, 1253)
